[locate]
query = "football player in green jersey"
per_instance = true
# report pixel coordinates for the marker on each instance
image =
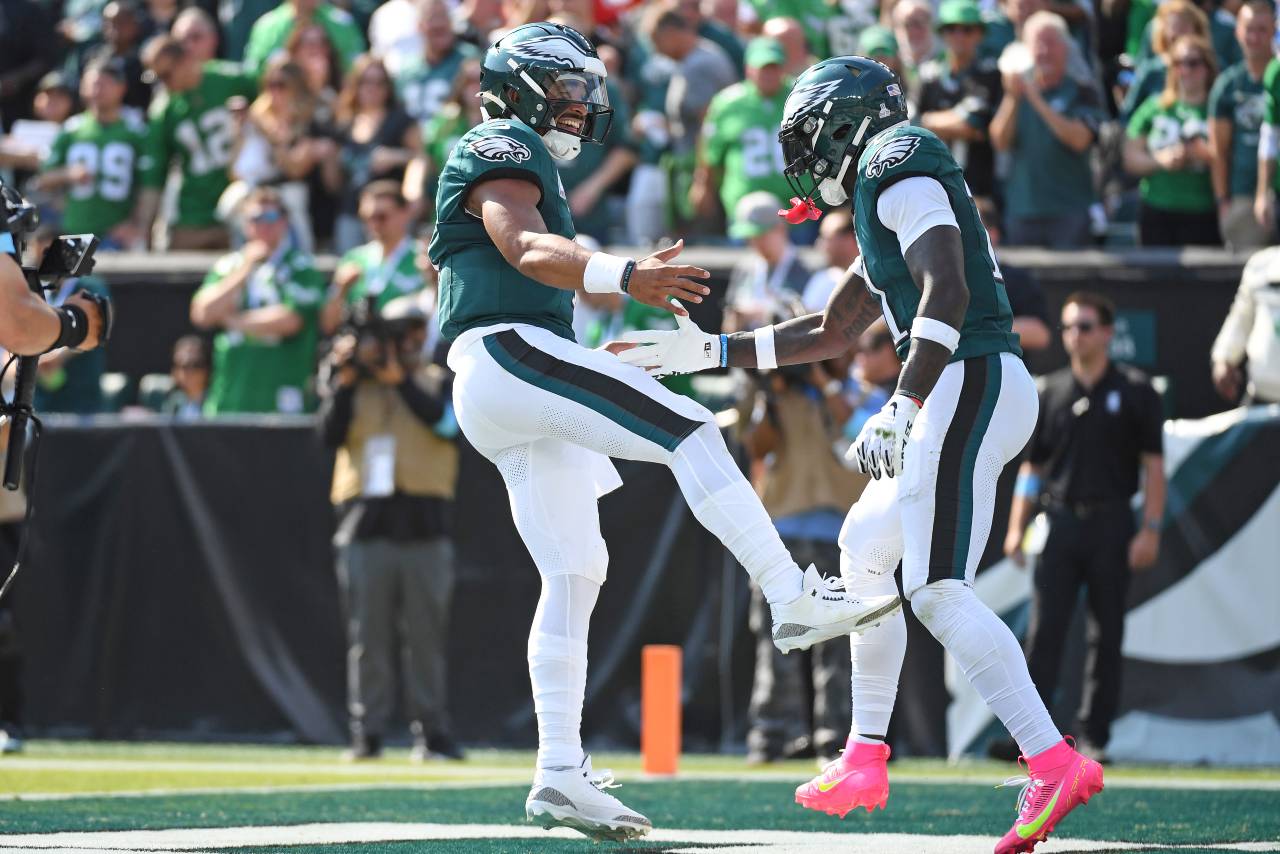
(191, 123)
(97, 157)
(964, 407)
(549, 413)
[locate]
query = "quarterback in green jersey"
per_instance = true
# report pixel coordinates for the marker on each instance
(964, 407)
(550, 413)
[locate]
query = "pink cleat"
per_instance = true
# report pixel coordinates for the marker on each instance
(1058, 780)
(856, 778)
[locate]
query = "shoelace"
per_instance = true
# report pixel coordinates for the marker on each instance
(832, 589)
(603, 779)
(1030, 788)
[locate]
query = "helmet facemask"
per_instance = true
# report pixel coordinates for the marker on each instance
(567, 106)
(801, 141)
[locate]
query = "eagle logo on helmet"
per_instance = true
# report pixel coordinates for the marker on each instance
(498, 148)
(559, 50)
(801, 99)
(892, 153)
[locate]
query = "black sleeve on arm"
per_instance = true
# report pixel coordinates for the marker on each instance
(336, 412)
(428, 407)
(1151, 438)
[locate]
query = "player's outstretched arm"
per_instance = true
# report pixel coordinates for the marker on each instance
(810, 338)
(936, 262)
(509, 209)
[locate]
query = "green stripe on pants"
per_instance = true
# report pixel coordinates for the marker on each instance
(964, 520)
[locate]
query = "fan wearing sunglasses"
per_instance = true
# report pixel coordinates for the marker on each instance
(263, 300)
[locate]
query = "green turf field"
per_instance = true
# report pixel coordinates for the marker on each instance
(81, 797)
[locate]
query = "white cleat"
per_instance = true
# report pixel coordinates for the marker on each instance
(576, 798)
(824, 611)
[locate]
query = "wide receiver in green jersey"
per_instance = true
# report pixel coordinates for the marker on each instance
(549, 413)
(965, 406)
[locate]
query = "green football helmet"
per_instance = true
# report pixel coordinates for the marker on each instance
(834, 109)
(549, 77)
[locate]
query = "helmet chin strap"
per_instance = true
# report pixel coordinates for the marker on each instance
(832, 189)
(563, 146)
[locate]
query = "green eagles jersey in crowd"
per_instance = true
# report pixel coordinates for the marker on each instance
(268, 374)
(907, 152)
(197, 128)
(115, 155)
(383, 278)
(423, 87)
(272, 30)
(1188, 190)
(1240, 100)
(740, 138)
(1271, 93)
(477, 285)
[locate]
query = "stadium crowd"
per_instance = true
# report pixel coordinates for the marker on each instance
(151, 124)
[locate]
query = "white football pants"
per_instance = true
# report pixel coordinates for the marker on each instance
(549, 414)
(936, 517)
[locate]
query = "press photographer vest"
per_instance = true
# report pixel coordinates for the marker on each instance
(425, 464)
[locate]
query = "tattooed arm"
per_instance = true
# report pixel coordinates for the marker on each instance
(814, 337)
(936, 262)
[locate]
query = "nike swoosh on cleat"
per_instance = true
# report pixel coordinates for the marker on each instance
(1031, 828)
(824, 786)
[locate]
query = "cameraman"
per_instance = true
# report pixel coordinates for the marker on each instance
(798, 416)
(30, 326)
(388, 415)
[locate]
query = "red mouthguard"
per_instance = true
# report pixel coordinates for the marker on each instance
(800, 211)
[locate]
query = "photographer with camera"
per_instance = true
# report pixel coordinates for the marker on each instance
(388, 414)
(29, 326)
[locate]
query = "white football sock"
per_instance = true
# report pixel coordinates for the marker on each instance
(991, 659)
(728, 507)
(877, 659)
(558, 666)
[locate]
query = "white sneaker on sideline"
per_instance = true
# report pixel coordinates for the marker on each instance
(576, 798)
(824, 611)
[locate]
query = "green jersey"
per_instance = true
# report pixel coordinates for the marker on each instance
(423, 87)
(383, 277)
(1187, 190)
(477, 285)
(196, 127)
(908, 152)
(1048, 179)
(1271, 92)
(267, 374)
(740, 139)
(272, 30)
(1240, 100)
(115, 154)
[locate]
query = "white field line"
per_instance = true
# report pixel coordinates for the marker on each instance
(446, 776)
(750, 841)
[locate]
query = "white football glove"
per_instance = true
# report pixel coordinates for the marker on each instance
(881, 445)
(664, 352)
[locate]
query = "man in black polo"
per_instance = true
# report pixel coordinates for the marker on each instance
(1099, 435)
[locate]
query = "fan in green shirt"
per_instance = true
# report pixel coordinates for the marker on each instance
(191, 124)
(424, 83)
(264, 299)
(272, 30)
(376, 272)
(97, 158)
(739, 151)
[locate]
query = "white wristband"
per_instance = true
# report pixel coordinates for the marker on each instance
(936, 331)
(1267, 142)
(766, 359)
(604, 273)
